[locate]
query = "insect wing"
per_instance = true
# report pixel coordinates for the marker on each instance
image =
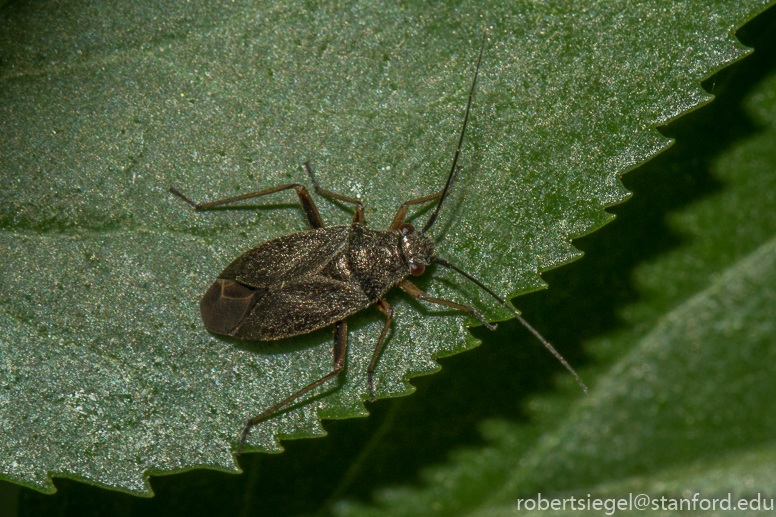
(288, 258)
(299, 307)
(280, 289)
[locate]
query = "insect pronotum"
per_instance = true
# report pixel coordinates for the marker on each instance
(298, 283)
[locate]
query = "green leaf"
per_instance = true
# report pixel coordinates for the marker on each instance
(108, 374)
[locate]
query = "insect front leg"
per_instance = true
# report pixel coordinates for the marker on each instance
(358, 217)
(386, 309)
(340, 353)
(412, 289)
(310, 210)
(398, 219)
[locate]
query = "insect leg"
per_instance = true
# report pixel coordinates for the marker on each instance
(398, 219)
(359, 216)
(420, 295)
(310, 211)
(386, 309)
(340, 352)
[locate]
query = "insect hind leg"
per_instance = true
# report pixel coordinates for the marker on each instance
(359, 215)
(340, 353)
(308, 206)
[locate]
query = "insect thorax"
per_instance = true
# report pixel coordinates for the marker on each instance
(378, 260)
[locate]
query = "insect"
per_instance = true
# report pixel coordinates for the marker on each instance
(298, 283)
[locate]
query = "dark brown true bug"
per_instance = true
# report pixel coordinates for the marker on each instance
(298, 283)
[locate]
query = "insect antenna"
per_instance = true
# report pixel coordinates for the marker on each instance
(453, 169)
(522, 320)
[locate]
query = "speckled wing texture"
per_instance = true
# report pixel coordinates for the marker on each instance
(302, 306)
(301, 289)
(288, 258)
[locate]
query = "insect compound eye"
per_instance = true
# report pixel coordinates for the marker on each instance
(406, 229)
(417, 269)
